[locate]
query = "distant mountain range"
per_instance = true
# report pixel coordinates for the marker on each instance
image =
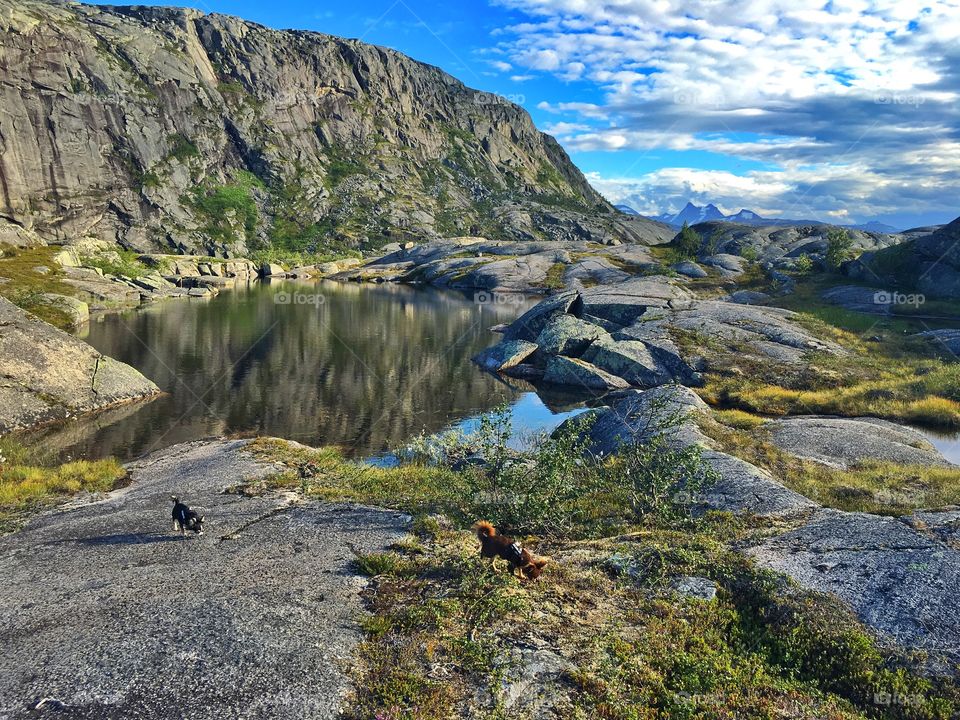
(693, 214)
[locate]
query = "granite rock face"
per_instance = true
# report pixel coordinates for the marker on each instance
(46, 374)
(135, 124)
(901, 582)
(258, 616)
(927, 262)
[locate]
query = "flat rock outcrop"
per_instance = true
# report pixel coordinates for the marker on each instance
(781, 245)
(902, 583)
(108, 614)
(475, 263)
(46, 374)
(842, 442)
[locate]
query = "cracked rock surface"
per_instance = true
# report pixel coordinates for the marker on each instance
(106, 613)
(900, 581)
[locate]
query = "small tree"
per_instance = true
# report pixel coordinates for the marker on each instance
(839, 247)
(804, 264)
(688, 241)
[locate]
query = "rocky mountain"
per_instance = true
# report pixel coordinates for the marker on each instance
(165, 128)
(693, 214)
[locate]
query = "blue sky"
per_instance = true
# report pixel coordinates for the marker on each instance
(843, 111)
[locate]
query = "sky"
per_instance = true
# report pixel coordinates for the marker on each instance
(845, 111)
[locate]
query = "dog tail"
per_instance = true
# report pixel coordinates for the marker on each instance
(484, 529)
(176, 500)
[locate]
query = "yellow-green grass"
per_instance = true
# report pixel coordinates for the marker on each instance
(885, 372)
(554, 278)
(899, 393)
(443, 625)
(22, 284)
(884, 488)
(26, 486)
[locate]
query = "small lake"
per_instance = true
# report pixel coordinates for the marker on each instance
(363, 367)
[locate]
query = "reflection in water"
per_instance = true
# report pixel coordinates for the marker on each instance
(366, 369)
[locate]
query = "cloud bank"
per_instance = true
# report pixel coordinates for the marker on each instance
(848, 108)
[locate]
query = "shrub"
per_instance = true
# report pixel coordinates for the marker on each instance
(839, 247)
(688, 242)
(804, 264)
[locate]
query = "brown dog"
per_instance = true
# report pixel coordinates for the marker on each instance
(496, 546)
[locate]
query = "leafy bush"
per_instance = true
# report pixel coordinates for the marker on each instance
(839, 247)
(804, 264)
(557, 487)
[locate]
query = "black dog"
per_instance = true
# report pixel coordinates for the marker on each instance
(185, 519)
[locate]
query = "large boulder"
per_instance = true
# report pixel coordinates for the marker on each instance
(580, 374)
(628, 359)
(46, 374)
(504, 355)
(568, 335)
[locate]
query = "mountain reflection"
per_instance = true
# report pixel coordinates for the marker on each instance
(363, 367)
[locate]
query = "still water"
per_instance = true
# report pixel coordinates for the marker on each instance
(364, 367)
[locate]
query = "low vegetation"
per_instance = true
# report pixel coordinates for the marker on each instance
(27, 274)
(885, 372)
(118, 262)
(607, 631)
(26, 485)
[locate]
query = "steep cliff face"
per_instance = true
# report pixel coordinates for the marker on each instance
(168, 128)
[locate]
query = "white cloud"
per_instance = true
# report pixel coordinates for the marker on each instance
(815, 88)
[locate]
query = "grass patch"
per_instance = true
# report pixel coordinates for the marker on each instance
(24, 282)
(383, 563)
(442, 638)
(26, 487)
(886, 372)
(554, 278)
(118, 262)
(624, 645)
